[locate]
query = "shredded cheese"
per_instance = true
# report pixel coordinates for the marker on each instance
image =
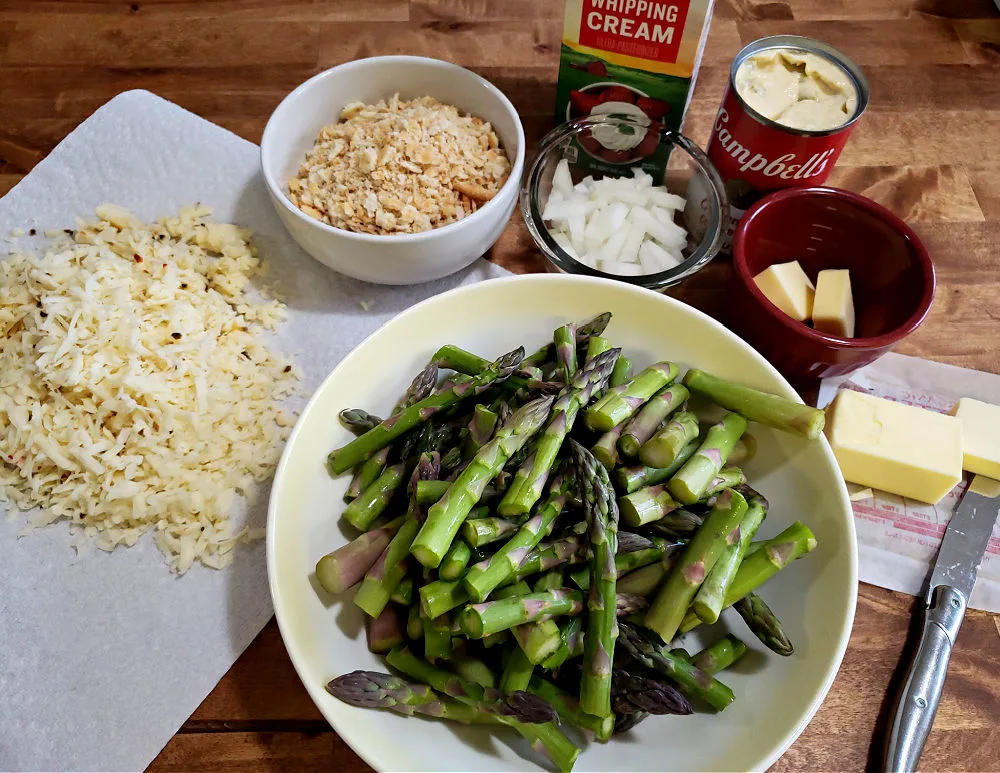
(136, 389)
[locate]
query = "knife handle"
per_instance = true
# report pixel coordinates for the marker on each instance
(918, 702)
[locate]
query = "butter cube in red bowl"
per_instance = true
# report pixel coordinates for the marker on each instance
(891, 278)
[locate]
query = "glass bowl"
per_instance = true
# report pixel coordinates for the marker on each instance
(676, 161)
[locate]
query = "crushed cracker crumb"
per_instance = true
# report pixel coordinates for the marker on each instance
(400, 167)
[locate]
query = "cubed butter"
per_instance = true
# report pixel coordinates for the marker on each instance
(895, 447)
(980, 436)
(833, 306)
(787, 287)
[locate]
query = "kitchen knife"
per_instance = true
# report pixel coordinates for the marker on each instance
(951, 584)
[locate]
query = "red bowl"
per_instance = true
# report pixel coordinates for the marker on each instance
(892, 278)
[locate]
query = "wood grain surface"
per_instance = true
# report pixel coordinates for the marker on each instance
(929, 149)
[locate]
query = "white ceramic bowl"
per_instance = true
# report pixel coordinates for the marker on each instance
(814, 597)
(393, 259)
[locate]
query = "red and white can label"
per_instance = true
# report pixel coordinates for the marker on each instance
(754, 158)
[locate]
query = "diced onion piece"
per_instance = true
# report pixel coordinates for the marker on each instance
(563, 241)
(654, 258)
(562, 181)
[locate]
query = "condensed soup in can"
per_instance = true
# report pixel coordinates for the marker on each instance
(788, 110)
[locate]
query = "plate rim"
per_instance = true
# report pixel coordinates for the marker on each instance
(833, 668)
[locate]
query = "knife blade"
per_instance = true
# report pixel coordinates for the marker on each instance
(948, 591)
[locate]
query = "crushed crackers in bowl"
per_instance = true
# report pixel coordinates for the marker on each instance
(394, 169)
(400, 166)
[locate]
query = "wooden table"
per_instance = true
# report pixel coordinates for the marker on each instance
(929, 149)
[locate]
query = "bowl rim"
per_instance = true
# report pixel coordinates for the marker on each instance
(284, 107)
(799, 328)
(294, 653)
(531, 211)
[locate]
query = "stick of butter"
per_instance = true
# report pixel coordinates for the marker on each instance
(895, 447)
(833, 307)
(787, 287)
(980, 436)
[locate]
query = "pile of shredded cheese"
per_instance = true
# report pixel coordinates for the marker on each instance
(136, 391)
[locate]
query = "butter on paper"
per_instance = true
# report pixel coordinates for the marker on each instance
(898, 538)
(104, 656)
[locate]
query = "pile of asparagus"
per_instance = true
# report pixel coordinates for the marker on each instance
(536, 531)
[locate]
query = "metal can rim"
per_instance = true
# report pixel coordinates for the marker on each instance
(811, 46)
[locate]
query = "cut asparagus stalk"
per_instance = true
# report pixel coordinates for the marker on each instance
(761, 565)
(720, 655)
(691, 481)
(346, 566)
(646, 422)
(666, 445)
(721, 527)
(754, 405)
(621, 403)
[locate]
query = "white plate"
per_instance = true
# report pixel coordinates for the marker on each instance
(815, 597)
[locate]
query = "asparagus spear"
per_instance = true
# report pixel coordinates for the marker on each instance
(676, 525)
(484, 577)
(479, 620)
(552, 554)
(550, 580)
(622, 372)
(646, 505)
(441, 596)
(368, 472)
(403, 592)
(720, 655)
(437, 638)
(538, 640)
(601, 510)
(764, 624)
(385, 631)
(671, 602)
(596, 345)
(430, 491)
(633, 692)
(570, 644)
(483, 531)
(519, 588)
(620, 403)
(455, 561)
(625, 722)
(648, 419)
(645, 580)
(708, 602)
(372, 690)
(517, 672)
(509, 709)
(584, 332)
(414, 623)
(728, 477)
(531, 477)
(634, 478)
(473, 670)
(363, 511)
(445, 517)
(758, 567)
(692, 480)
(357, 420)
(653, 550)
(605, 450)
(754, 405)
(564, 339)
(381, 580)
(691, 680)
(480, 429)
(568, 708)
(346, 566)
(665, 446)
(378, 437)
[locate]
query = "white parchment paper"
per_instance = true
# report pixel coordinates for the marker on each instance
(898, 538)
(103, 656)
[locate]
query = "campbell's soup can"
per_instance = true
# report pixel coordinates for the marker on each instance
(789, 107)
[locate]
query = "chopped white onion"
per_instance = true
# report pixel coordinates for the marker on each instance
(621, 225)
